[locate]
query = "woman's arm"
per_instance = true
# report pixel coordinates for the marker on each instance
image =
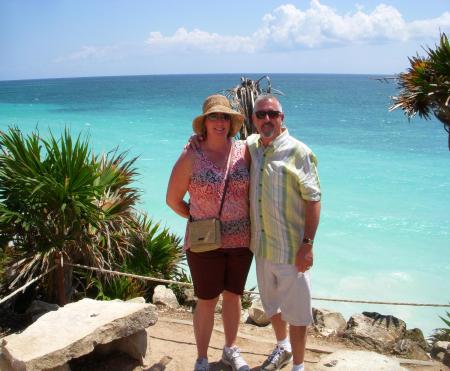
(178, 184)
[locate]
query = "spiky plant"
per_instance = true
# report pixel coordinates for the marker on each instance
(56, 196)
(242, 98)
(442, 334)
(425, 87)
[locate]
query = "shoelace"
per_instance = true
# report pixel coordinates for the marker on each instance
(275, 355)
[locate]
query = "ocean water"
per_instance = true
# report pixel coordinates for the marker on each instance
(385, 227)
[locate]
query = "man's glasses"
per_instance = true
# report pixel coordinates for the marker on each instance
(262, 114)
(219, 116)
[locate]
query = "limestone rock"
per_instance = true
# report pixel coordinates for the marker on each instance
(257, 315)
(410, 349)
(38, 308)
(75, 329)
(416, 335)
(190, 298)
(441, 352)
(375, 331)
(138, 299)
(329, 323)
(165, 296)
(219, 304)
(353, 360)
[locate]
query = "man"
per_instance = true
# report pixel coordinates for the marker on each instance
(284, 211)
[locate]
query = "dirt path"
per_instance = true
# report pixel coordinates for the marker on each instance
(173, 346)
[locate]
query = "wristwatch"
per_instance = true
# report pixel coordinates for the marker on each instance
(308, 241)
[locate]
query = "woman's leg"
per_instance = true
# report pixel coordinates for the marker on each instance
(231, 315)
(203, 324)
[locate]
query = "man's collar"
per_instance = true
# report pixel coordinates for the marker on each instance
(279, 139)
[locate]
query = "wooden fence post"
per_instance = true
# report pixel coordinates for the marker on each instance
(59, 275)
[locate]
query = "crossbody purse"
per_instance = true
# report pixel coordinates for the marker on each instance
(205, 235)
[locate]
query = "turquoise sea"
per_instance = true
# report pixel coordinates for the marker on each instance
(385, 228)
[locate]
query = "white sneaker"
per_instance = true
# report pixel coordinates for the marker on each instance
(232, 357)
(201, 364)
(279, 358)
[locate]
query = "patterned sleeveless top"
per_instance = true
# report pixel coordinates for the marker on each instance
(206, 188)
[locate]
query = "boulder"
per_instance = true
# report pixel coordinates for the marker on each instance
(190, 298)
(38, 308)
(410, 349)
(357, 360)
(416, 335)
(375, 331)
(165, 297)
(75, 329)
(257, 315)
(137, 299)
(441, 352)
(329, 323)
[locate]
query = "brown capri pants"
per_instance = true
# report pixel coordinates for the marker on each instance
(215, 271)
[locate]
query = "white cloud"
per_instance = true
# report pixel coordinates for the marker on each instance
(286, 28)
(88, 52)
(290, 28)
(199, 41)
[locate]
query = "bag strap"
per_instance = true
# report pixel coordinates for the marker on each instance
(226, 178)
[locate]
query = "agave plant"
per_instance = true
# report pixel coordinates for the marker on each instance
(242, 98)
(57, 197)
(442, 334)
(425, 87)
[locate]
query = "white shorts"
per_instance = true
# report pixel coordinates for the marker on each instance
(284, 290)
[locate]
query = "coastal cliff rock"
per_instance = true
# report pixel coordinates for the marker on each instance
(375, 331)
(441, 352)
(329, 323)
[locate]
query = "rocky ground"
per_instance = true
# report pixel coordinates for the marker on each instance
(173, 348)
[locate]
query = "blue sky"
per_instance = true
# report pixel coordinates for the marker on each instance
(70, 38)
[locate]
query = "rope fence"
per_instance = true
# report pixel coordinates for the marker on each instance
(22, 288)
(188, 284)
(255, 292)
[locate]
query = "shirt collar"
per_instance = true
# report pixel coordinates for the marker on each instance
(277, 141)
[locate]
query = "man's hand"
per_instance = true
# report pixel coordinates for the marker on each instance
(304, 259)
(194, 142)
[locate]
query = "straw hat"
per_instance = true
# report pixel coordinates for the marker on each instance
(218, 104)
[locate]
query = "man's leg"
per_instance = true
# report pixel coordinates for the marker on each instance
(298, 343)
(279, 327)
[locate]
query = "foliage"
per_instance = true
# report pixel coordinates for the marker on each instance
(243, 96)
(55, 195)
(442, 334)
(425, 87)
(119, 287)
(247, 298)
(154, 252)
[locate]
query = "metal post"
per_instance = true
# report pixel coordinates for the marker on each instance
(59, 278)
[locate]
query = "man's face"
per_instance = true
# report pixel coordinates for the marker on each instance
(268, 120)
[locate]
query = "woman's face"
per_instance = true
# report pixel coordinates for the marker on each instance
(217, 124)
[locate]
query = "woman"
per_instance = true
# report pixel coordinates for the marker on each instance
(224, 271)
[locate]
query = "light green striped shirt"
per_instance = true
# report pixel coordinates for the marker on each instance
(283, 176)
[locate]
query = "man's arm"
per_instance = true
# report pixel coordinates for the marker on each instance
(304, 259)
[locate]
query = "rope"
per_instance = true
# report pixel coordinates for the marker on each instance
(252, 292)
(22, 288)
